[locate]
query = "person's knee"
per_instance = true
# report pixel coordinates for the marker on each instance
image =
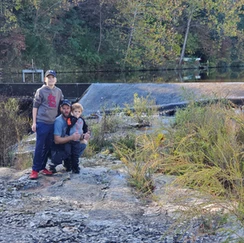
(56, 157)
(82, 149)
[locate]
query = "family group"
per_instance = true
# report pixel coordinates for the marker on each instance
(61, 132)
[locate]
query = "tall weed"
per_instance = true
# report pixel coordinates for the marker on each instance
(100, 129)
(13, 128)
(141, 160)
(143, 108)
(205, 150)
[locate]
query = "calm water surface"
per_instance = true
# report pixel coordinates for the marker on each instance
(172, 76)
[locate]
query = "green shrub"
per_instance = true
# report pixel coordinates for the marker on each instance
(141, 157)
(101, 129)
(13, 128)
(205, 150)
(143, 109)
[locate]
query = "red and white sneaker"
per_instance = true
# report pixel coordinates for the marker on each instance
(47, 172)
(33, 175)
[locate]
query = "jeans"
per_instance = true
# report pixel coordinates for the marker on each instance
(44, 140)
(59, 153)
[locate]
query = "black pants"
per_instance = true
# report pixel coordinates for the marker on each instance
(63, 152)
(59, 154)
(73, 149)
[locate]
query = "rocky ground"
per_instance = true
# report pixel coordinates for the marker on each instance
(99, 206)
(96, 205)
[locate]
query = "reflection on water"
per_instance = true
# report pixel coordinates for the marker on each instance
(169, 76)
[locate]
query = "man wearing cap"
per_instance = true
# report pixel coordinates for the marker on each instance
(59, 153)
(45, 109)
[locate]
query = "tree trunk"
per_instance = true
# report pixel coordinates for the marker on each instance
(100, 27)
(185, 40)
(131, 35)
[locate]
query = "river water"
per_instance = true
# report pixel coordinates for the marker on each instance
(169, 76)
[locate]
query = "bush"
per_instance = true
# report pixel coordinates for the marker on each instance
(206, 136)
(13, 128)
(143, 109)
(205, 150)
(141, 156)
(109, 123)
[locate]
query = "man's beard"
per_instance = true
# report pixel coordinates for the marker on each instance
(66, 115)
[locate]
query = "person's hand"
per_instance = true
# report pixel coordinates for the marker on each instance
(87, 136)
(33, 127)
(75, 136)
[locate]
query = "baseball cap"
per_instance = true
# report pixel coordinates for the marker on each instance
(66, 102)
(50, 72)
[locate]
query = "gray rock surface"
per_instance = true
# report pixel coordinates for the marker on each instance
(96, 205)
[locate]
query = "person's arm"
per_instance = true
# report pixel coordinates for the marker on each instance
(37, 101)
(85, 126)
(34, 114)
(62, 140)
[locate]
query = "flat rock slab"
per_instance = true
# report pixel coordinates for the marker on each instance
(99, 97)
(96, 205)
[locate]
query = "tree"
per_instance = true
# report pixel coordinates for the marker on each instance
(155, 26)
(151, 40)
(12, 40)
(221, 16)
